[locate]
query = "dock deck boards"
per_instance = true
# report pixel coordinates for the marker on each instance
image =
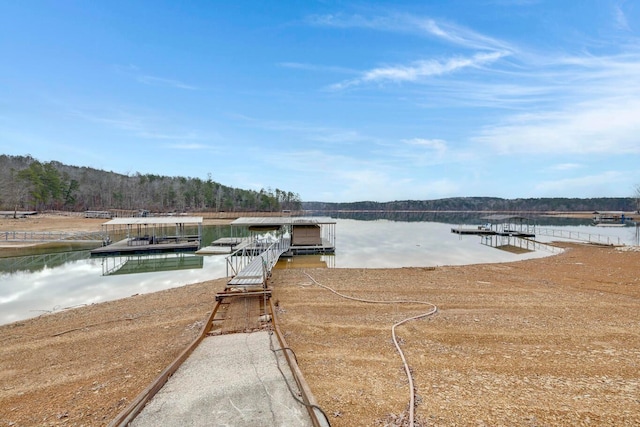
(486, 232)
(473, 231)
(252, 274)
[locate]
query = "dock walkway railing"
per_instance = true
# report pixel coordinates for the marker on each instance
(246, 258)
(48, 236)
(579, 236)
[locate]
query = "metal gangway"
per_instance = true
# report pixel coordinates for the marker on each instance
(580, 236)
(251, 265)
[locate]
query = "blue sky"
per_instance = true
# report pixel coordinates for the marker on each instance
(333, 100)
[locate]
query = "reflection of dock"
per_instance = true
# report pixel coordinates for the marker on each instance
(150, 263)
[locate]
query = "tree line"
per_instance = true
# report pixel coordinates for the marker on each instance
(470, 204)
(28, 184)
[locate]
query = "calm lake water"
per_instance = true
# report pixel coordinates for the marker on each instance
(30, 286)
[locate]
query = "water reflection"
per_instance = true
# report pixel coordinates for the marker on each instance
(388, 244)
(135, 264)
(51, 283)
(26, 294)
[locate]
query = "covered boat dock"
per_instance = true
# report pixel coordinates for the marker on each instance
(150, 235)
(308, 235)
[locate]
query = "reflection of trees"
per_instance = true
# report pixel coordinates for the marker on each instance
(33, 263)
(483, 204)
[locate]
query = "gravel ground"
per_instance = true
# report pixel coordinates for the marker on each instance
(552, 341)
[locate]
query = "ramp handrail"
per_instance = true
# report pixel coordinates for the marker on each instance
(238, 260)
(579, 236)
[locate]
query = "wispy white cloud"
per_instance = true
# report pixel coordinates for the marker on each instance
(419, 70)
(461, 36)
(620, 18)
(607, 182)
(487, 49)
(350, 177)
(435, 146)
(316, 67)
(565, 167)
(415, 153)
(340, 20)
(141, 126)
(136, 72)
(307, 131)
(412, 24)
(188, 146)
(163, 82)
(170, 136)
(513, 2)
(117, 119)
(607, 126)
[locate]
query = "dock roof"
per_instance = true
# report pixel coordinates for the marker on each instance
(156, 220)
(279, 221)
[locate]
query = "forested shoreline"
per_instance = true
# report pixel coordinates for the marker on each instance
(484, 204)
(28, 184)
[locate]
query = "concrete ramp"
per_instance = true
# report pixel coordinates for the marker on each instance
(228, 380)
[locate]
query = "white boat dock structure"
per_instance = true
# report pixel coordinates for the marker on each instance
(250, 265)
(151, 235)
(517, 234)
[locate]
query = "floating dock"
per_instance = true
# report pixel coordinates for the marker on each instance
(131, 246)
(485, 232)
(224, 245)
(479, 231)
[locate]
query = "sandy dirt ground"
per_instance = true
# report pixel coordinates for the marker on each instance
(552, 341)
(67, 222)
(545, 342)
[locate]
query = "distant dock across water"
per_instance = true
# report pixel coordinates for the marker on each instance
(500, 225)
(517, 233)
